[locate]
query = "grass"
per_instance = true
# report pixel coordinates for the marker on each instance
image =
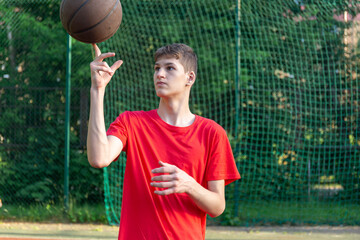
(54, 213)
(250, 214)
(295, 213)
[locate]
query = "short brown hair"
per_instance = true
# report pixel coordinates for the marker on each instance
(181, 52)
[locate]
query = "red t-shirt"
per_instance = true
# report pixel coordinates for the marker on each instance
(202, 150)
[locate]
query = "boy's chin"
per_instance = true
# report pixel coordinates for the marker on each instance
(161, 94)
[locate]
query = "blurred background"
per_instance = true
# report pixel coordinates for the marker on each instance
(282, 78)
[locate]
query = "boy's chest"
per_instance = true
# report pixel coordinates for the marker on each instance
(188, 151)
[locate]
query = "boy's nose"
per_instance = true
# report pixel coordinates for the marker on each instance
(160, 74)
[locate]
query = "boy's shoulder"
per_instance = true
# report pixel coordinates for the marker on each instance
(210, 125)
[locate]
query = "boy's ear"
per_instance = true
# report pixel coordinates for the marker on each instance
(190, 78)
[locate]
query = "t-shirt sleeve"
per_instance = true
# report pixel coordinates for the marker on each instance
(119, 129)
(221, 165)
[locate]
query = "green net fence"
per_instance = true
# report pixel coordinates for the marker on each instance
(299, 101)
(282, 77)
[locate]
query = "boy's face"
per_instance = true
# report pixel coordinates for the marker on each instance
(170, 78)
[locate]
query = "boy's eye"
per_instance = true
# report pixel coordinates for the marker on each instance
(169, 68)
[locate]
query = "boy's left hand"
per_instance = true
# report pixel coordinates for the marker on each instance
(172, 179)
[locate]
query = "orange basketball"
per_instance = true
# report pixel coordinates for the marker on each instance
(91, 21)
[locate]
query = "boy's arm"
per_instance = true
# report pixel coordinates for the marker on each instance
(101, 149)
(175, 180)
(211, 200)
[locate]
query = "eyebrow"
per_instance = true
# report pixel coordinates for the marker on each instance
(166, 64)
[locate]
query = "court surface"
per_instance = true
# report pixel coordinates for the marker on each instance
(46, 231)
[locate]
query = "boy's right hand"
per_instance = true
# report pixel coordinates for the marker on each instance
(101, 73)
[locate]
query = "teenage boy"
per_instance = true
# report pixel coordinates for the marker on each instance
(177, 163)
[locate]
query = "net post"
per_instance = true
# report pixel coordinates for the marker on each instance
(67, 126)
(237, 100)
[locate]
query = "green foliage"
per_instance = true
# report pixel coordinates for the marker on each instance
(32, 97)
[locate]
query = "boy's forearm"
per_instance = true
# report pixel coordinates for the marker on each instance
(97, 142)
(211, 202)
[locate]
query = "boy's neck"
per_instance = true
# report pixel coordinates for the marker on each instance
(176, 113)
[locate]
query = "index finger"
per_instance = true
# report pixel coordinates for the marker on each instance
(103, 56)
(96, 49)
(163, 170)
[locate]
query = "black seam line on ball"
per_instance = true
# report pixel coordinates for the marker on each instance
(72, 17)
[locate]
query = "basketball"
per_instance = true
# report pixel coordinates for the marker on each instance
(91, 21)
